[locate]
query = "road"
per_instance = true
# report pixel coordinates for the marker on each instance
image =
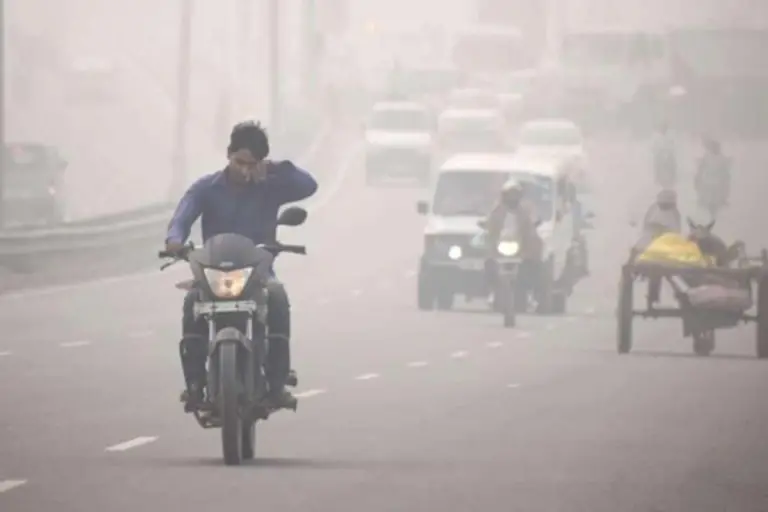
(400, 410)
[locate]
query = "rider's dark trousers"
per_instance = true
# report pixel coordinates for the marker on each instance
(194, 345)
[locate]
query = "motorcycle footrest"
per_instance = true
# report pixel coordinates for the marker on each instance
(292, 379)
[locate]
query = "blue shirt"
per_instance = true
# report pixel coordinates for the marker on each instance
(245, 209)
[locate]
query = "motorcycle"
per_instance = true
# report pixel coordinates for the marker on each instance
(501, 274)
(230, 274)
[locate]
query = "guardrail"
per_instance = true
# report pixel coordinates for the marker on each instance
(36, 247)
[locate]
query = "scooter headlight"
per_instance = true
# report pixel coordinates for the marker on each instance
(455, 252)
(508, 249)
(228, 285)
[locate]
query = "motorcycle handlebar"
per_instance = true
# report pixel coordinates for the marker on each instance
(181, 254)
(280, 248)
(273, 248)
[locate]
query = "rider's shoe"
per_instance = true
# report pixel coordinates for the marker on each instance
(281, 398)
(192, 398)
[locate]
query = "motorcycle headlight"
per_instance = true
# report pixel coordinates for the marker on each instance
(455, 252)
(508, 249)
(227, 285)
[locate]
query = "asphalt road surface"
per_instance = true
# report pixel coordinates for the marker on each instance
(400, 410)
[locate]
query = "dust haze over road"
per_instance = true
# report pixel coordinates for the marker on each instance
(400, 409)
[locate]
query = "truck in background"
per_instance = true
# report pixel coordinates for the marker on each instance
(695, 63)
(507, 36)
(717, 51)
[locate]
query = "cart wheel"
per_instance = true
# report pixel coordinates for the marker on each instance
(704, 343)
(624, 311)
(762, 317)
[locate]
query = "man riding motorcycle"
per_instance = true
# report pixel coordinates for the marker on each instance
(244, 198)
(512, 203)
(713, 178)
(664, 158)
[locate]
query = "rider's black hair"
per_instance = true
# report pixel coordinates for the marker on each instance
(251, 136)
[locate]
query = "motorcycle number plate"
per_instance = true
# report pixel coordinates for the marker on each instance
(471, 265)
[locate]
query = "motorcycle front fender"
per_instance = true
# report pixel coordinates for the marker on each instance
(229, 335)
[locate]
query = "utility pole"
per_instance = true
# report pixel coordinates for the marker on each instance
(183, 78)
(275, 99)
(3, 143)
(311, 51)
(244, 63)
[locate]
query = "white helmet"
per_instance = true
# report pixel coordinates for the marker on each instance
(511, 185)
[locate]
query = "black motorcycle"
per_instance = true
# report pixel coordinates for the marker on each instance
(230, 274)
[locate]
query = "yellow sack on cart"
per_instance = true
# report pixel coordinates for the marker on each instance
(674, 248)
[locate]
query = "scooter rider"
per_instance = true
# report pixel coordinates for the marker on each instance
(244, 198)
(512, 203)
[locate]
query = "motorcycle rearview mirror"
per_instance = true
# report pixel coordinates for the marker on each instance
(292, 216)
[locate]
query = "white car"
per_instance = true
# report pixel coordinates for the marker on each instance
(560, 139)
(470, 130)
(399, 141)
(467, 185)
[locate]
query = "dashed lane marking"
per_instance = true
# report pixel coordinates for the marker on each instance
(7, 485)
(310, 393)
(133, 443)
(75, 344)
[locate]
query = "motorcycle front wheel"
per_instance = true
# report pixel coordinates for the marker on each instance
(229, 405)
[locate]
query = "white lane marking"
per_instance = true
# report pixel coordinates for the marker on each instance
(357, 293)
(133, 443)
(140, 335)
(310, 393)
(384, 285)
(523, 335)
(550, 327)
(461, 354)
(494, 344)
(410, 274)
(5, 353)
(590, 311)
(75, 344)
(335, 186)
(7, 485)
(323, 302)
(513, 386)
(367, 376)
(316, 144)
(417, 364)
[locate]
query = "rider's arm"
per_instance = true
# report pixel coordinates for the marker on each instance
(290, 183)
(189, 209)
